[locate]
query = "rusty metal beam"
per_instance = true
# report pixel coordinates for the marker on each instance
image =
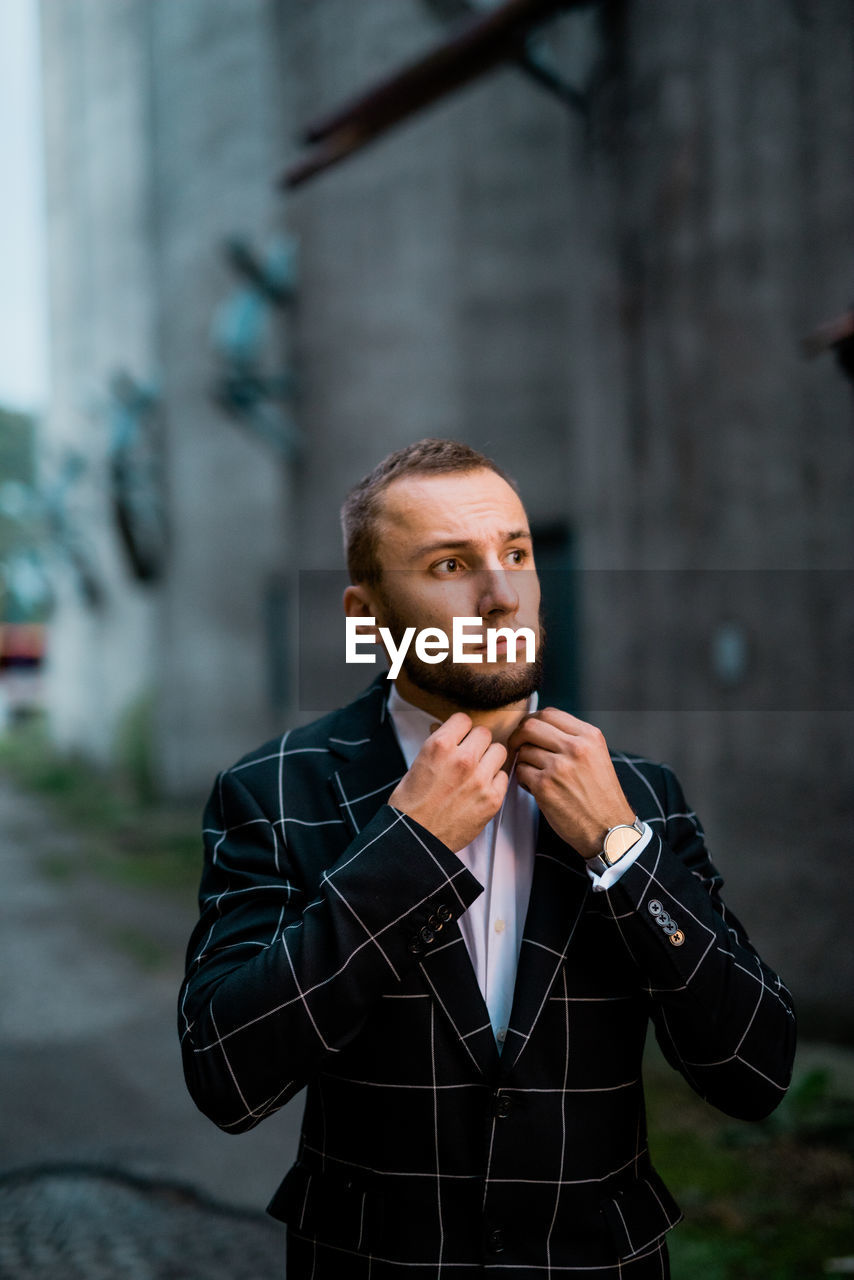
(837, 336)
(829, 335)
(478, 46)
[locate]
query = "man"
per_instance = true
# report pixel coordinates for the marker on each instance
(452, 915)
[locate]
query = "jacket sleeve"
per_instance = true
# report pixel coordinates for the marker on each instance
(723, 1018)
(278, 980)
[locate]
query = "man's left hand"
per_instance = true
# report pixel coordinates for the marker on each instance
(565, 765)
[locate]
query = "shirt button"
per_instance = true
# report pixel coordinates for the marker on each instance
(500, 926)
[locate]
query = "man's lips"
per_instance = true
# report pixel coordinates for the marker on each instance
(500, 649)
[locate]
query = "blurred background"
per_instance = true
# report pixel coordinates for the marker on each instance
(607, 243)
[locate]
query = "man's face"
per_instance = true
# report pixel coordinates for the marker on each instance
(459, 545)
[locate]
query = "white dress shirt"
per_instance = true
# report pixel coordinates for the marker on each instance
(501, 857)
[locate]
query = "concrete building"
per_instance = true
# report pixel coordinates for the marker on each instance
(612, 304)
(163, 132)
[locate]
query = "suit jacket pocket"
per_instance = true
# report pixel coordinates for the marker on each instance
(639, 1214)
(328, 1207)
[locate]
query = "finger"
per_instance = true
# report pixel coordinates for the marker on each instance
(538, 733)
(536, 757)
(478, 741)
(528, 777)
(500, 783)
(564, 721)
(519, 734)
(493, 759)
(454, 728)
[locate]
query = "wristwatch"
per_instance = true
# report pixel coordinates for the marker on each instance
(617, 843)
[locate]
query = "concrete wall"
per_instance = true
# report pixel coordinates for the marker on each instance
(612, 307)
(616, 311)
(716, 205)
(101, 318)
(162, 131)
(435, 266)
(215, 147)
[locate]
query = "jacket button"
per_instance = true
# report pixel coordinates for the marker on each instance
(415, 946)
(427, 934)
(444, 912)
(502, 1106)
(434, 922)
(495, 1240)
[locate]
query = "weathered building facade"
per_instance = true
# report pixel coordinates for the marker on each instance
(610, 301)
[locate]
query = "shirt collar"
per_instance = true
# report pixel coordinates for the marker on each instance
(413, 725)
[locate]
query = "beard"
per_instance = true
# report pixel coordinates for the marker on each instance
(467, 685)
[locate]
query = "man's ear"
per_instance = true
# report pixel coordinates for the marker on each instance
(358, 604)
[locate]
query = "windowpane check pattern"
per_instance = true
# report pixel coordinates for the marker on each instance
(329, 954)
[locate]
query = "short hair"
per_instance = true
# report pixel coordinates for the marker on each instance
(363, 504)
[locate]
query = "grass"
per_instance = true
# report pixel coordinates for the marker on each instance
(768, 1201)
(129, 837)
(140, 947)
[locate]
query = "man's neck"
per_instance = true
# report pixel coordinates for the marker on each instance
(501, 722)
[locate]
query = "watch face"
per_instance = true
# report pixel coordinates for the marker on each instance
(619, 842)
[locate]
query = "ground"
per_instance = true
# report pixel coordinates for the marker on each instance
(108, 1171)
(90, 1071)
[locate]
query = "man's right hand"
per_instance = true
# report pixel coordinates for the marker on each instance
(456, 783)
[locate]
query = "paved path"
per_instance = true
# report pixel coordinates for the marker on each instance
(89, 1062)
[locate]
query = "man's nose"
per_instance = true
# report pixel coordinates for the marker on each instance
(498, 593)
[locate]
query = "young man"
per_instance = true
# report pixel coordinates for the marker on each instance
(451, 915)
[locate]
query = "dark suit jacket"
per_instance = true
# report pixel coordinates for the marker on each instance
(328, 953)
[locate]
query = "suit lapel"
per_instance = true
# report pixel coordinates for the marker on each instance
(372, 766)
(366, 781)
(450, 975)
(558, 894)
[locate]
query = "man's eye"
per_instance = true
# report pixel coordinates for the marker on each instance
(517, 556)
(451, 565)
